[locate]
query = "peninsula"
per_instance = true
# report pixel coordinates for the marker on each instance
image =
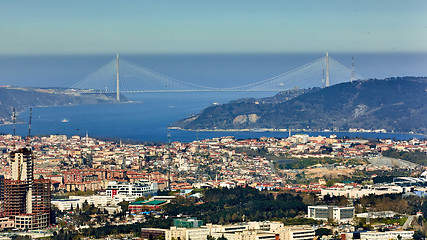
(19, 98)
(392, 105)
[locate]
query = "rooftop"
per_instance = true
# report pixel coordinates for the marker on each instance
(152, 202)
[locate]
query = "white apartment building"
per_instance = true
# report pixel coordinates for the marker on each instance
(256, 235)
(97, 200)
(138, 189)
(77, 202)
(187, 233)
(243, 231)
(296, 233)
(382, 214)
(66, 204)
(335, 213)
(386, 235)
(355, 193)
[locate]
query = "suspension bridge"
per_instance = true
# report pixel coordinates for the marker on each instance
(121, 76)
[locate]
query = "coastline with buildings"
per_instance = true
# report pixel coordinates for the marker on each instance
(111, 173)
(220, 120)
(101, 161)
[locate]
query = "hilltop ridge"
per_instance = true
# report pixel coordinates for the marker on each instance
(22, 97)
(393, 104)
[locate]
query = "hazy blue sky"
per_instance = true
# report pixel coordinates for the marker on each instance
(220, 26)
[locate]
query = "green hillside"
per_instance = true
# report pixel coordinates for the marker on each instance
(395, 104)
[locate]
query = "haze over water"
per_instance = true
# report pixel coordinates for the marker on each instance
(147, 120)
(218, 70)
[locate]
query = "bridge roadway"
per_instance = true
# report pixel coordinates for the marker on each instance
(178, 91)
(135, 79)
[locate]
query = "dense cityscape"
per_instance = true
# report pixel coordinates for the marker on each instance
(331, 184)
(213, 120)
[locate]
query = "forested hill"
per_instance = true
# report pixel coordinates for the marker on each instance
(21, 98)
(394, 104)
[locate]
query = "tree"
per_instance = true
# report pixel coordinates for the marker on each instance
(330, 183)
(323, 232)
(124, 206)
(222, 238)
(418, 235)
(424, 209)
(209, 237)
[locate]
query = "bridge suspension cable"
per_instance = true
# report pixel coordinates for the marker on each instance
(134, 78)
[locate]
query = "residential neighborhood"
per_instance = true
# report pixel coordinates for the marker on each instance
(121, 183)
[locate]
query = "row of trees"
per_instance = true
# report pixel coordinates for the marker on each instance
(222, 205)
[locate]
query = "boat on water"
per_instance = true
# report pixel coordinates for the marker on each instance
(64, 120)
(257, 130)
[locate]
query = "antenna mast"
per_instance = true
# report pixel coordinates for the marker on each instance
(118, 81)
(327, 69)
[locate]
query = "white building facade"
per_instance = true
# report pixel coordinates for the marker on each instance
(138, 189)
(243, 231)
(334, 213)
(374, 235)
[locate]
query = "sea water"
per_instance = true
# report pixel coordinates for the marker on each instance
(147, 118)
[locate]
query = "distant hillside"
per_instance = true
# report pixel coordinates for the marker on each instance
(395, 104)
(22, 98)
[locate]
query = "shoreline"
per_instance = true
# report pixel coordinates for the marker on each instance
(9, 122)
(287, 130)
